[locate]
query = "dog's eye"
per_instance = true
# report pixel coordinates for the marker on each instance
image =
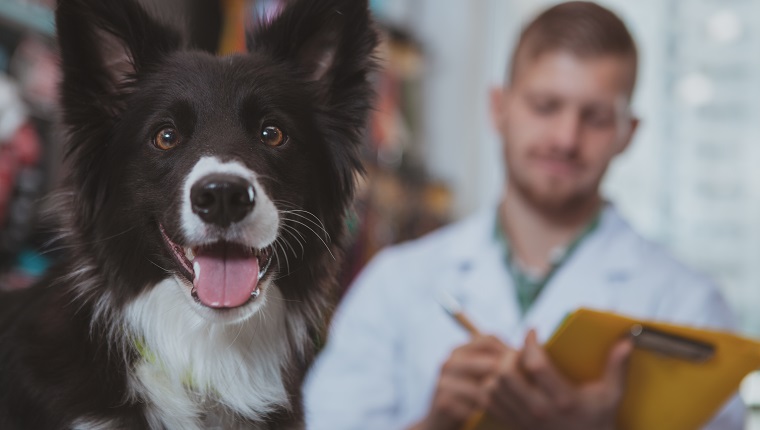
(166, 139)
(272, 136)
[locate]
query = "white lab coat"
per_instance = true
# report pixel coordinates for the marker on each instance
(390, 336)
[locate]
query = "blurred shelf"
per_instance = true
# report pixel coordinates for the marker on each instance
(27, 16)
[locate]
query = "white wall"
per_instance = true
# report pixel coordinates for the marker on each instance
(458, 36)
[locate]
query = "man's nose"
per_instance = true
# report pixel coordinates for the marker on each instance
(566, 131)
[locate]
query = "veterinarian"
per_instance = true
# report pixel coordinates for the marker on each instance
(396, 360)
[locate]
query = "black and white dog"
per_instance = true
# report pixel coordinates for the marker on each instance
(202, 220)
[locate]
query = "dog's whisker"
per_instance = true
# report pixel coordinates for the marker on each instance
(284, 275)
(312, 218)
(47, 250)
(284, 252)
(301, 211)
(293, 229)
(318, 225)
(240, 330)
(277, 257)
(266, 178)
(297, 235)
(283, 299)
(167, 271)
(284, 239)
(286, 206)
(327, 236)
(284, 203)
(289, 230)
(318, 236)
(284, 255)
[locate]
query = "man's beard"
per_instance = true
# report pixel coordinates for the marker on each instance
(554, 201)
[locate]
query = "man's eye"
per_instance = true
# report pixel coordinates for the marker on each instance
(544, 108)
(600, 119)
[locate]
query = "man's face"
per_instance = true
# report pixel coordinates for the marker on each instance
(562, 120)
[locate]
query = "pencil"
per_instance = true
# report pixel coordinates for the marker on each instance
(453, 308)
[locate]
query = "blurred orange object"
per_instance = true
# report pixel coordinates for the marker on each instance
(233, 31)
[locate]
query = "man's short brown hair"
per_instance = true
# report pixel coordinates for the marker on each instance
(581, 28)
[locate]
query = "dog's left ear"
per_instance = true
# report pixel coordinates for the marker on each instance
(330, 40)
(104, 45)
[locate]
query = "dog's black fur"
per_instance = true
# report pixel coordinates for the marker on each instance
(67, 353)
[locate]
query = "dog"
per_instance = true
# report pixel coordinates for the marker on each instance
(202, 218)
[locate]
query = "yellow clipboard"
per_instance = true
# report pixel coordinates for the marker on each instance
(663, 390)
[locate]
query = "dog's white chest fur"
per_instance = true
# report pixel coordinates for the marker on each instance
(191, 369)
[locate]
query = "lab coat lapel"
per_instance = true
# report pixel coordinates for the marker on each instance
(480, 280)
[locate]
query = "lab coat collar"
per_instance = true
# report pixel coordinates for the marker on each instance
(603, 264)
(619, 258)
(477, 232)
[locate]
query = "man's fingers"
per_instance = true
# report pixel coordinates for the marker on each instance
(539, 368)
(511, 387)
(473, 366)
(456, 401)
(477, 358)
(509, 411)
(467, 394)
(486, 344)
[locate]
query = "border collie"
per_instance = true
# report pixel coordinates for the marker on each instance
(202, 218)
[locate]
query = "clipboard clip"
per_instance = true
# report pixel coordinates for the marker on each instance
(671, 345)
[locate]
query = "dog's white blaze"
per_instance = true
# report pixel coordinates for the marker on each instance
(258, 229)
(193, 363)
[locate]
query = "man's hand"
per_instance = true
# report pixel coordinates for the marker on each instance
(459, 392)
(529, 393)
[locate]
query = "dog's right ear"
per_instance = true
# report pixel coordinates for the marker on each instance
(104, 45)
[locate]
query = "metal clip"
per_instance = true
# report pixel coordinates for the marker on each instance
(671, 345)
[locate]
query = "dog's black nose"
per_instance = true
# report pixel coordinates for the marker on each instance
(222, 199)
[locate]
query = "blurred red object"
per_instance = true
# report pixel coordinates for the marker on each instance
(23, 149)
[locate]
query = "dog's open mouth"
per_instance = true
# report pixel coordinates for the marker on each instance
(224, 275)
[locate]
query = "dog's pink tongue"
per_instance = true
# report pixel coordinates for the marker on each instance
(225, 276)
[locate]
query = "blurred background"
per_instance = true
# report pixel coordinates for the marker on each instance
(690, 180)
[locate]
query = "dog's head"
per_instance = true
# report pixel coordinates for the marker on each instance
(221, 172)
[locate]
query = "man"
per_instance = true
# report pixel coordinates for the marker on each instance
(395, 360)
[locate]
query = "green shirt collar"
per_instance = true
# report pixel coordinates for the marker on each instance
(528, 285)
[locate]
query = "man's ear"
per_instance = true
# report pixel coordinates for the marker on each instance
(496, 97)
(627, 138)
(104, 45)
(330, 41)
